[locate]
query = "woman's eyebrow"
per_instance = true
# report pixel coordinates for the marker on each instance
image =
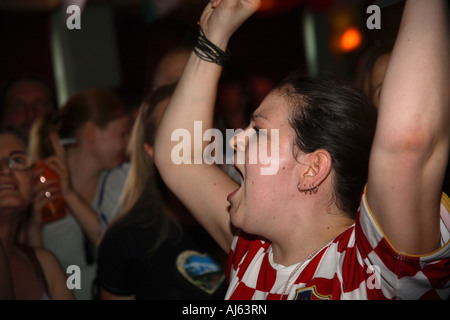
(17, 151)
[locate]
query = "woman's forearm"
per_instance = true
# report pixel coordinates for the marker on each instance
(85, 215)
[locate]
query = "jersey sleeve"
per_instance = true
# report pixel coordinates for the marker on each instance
(398, 275)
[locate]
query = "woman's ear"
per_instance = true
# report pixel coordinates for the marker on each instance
(148, 149)
(317, 167)
(88, 132)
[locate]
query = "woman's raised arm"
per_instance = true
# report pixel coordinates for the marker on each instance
(410, 151)
(202, 188)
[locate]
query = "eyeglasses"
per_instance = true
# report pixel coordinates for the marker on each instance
(18, 160)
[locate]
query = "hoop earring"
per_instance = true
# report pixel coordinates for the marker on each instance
(312, 189)
(304, 188)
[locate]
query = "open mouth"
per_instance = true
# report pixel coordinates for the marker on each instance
(231, 195)
(240, 183)
(240, 173)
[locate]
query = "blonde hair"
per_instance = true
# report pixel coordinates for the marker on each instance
(141, 166)
(144, 190)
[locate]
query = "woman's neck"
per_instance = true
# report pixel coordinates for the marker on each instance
(309, 236)
(84, 173)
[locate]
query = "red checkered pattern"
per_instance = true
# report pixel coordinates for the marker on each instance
(359, 264)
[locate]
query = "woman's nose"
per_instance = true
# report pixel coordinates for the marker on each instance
(4, 165)
(239, 141)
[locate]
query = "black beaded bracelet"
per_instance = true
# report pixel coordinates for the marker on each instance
(208, 51)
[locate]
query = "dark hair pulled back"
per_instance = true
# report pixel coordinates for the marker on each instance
(333, 115)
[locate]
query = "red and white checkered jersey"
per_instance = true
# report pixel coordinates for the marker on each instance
(359, 264)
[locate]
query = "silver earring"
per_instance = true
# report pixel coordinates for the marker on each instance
(312, 189)
(304, 188)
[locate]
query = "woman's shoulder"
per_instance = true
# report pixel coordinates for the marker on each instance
(54, 274)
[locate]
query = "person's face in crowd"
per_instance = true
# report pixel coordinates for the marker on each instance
(112, 141)
(15, 184)
(24, 103)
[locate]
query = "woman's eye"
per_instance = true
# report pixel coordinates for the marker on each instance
(19, 161)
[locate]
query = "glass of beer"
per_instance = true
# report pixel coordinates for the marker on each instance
(54, 209)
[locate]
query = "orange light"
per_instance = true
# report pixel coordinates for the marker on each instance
(350, 40)
(267, 5)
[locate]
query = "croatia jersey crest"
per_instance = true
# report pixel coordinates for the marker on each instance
(310, 293)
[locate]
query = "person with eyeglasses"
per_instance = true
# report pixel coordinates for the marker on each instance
(35, 273)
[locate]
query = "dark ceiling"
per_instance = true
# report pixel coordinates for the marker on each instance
(270, 43)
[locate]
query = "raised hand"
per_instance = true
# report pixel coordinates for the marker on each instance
(58, 164)
(221, 18)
